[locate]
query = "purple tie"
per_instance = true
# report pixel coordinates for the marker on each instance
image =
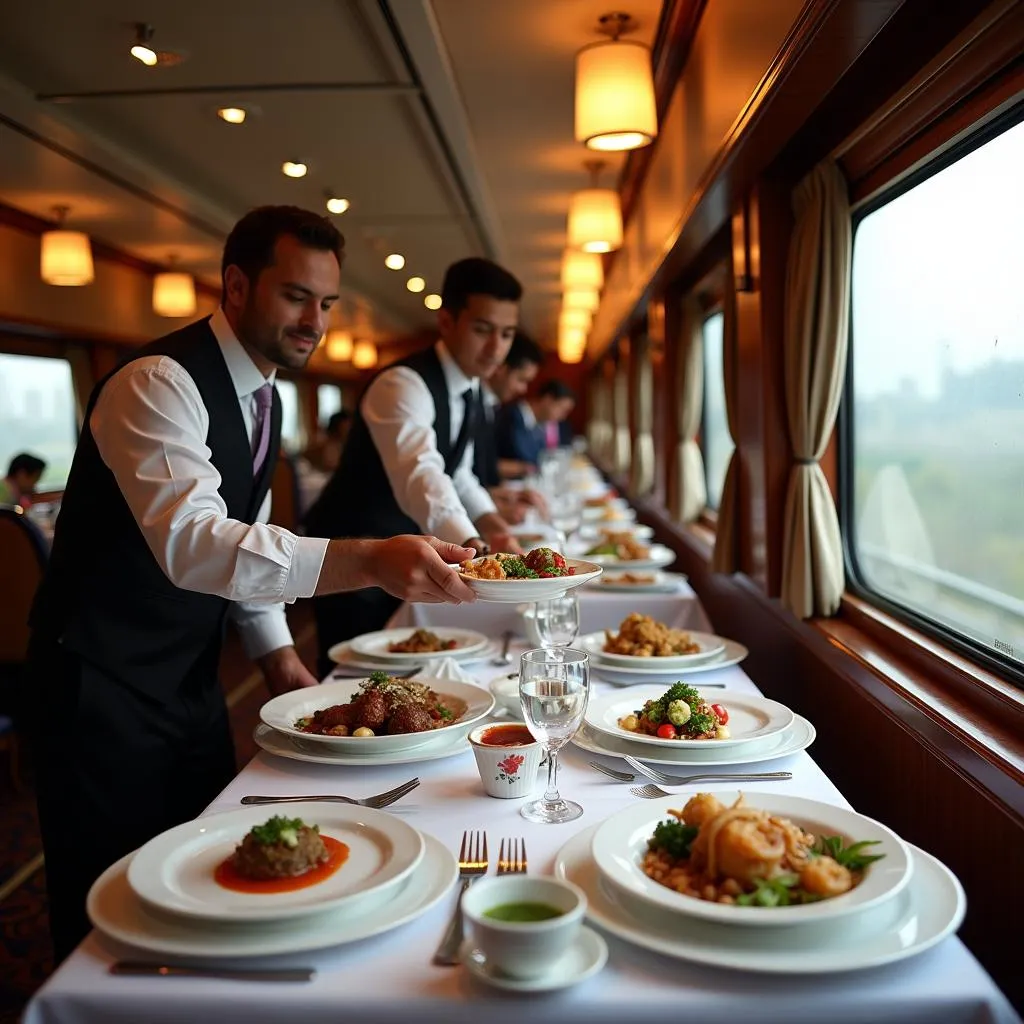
(261, 436)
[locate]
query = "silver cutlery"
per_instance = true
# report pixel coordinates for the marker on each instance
(612, 773)
(472, 864)
(131, 967)
(339, 674)
(504, 658)
(515, 862)
(649, 792)
(377, 802)
(685, 780)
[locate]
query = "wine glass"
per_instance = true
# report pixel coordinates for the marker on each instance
(566, 515)
(553, 689)
(557, 621)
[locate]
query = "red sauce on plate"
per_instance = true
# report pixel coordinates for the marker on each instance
(507, 736)
(226, 875)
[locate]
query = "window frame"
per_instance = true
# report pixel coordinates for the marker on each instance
(1002, 666)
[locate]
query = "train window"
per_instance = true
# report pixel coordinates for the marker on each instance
(716, 440)
(292, 435)
(328, 402)
(38, 414)
(934, 408)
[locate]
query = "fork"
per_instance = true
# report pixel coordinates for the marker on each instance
(515, 862)
(685, 780)
(378, 801)
(472, 864)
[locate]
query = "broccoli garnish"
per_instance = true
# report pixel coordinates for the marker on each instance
(681, 691)
(673, 837)
(378, 677)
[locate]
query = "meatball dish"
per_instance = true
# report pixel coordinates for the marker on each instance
(640, 636)
(385, 706)
(540, 563)
(279, 848)
(747, 857)
(423, 641)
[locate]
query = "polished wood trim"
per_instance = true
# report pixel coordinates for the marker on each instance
(12, 217)
(673, 40)
(955, 93)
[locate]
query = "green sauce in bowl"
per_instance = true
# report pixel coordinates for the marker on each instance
(523, 912)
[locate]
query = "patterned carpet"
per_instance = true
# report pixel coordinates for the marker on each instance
(26, 959)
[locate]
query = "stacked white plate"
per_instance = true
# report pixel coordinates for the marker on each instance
(648, 581)
(164, 898)
(593, 533)
(370, 652)
(658, 557)
(280, 735)
(627, 670)
(905, 903)
(760, 730)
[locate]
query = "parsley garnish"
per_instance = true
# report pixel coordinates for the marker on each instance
(279, 829)
(673, 837)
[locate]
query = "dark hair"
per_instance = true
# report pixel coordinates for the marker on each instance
(556, 389)
(477, 276)
(25, 463)
(250, 246)
(524, 350)
(337, 419)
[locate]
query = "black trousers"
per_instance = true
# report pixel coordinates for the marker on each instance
(344, 616)
(115, 768)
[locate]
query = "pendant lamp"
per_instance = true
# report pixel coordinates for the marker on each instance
(65, 257)
(595, 216)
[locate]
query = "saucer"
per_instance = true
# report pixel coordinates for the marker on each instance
(586, 956)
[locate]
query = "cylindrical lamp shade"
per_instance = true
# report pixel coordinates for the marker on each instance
(572, 343)
(569, 319)
(66, 258)
(364, 355)
(339, 346)
(581, 270)
(581, 298)
(174, 294)
(615, 104)
(595, 220)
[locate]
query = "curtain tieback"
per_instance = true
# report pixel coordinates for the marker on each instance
(805, 462)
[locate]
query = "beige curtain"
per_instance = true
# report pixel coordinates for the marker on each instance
(599, 428)
(726, 556)
(641, 477)
(691, 493)
(620, 418)
(817, 323)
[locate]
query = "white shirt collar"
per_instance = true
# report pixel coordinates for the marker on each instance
(490, 399)
(456, 380)
(529, 417)
(245, 374)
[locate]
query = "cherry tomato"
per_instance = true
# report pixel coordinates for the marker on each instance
(720, 713)
(559, 562)
(667, 731)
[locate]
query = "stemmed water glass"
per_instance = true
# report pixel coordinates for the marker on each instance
(557, 621)
(554, 686)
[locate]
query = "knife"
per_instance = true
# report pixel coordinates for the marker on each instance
(133, 967)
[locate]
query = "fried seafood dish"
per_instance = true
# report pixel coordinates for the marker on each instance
(747, 857)
(540, 563)
(641, 637)
(385, 706)
(423, 641)
(621, 544)
(680, 713)
(279, 848)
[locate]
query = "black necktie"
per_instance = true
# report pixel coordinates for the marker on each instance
(468, 424)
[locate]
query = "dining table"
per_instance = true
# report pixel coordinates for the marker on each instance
(391, 979)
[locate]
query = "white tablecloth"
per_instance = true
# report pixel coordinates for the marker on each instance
(598, 609)
(390, 978)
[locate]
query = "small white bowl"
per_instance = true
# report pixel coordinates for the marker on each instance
(507, 772)
(524, 949)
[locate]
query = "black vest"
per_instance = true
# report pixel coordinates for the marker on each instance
(104, 596)
(358, 500)
(485, 448)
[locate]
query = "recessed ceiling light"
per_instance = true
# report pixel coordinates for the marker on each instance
(294, 169)
(395, 261)
(233, 115)
(432, 301)
(337, 205)
(415, 284)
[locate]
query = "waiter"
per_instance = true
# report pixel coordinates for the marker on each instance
(162, 537)
(407, 463)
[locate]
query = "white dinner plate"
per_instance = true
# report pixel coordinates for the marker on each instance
(799, 736)
(928, 910)
(709, 644)
(276, 743)
(515, 591)
(375, 645)
(658, 557)
(597, 533)
(661, 583)
(751, 717)
(117, 913)
(351, 663)
(610, 516)
(175, 870)
(620, 843)
(733, 654)
(283, 711)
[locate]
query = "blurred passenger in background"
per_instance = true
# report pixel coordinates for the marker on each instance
(526, 428)
(324, 453)
(23, 474)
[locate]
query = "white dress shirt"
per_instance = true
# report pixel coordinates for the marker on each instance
(529, 416)
(399, 412)
(150, 427)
